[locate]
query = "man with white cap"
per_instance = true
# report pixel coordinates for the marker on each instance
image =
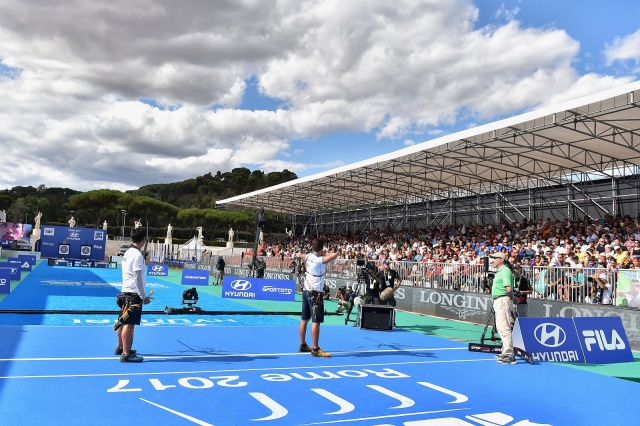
(502, 305)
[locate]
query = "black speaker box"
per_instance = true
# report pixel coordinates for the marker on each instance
(375, 317)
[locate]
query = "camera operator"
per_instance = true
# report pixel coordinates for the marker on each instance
(312, 297)
(501, 292)
(343, 298)
(522, 289)
(601, 291)
(373, 285)
(219, 271)
(386, 279)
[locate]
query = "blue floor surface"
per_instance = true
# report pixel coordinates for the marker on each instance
(60, 370)
(253, 375)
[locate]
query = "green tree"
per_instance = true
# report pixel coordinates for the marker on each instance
(95, 202)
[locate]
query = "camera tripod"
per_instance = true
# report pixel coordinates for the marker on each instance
(491, 321)
(495, 348)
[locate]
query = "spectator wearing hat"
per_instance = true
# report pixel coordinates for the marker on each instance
(620, 255)
(501, 292)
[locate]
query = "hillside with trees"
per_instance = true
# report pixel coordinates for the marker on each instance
(186, 205)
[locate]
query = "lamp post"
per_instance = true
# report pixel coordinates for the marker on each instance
(124, 218)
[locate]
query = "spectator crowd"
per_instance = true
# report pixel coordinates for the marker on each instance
(580, 249)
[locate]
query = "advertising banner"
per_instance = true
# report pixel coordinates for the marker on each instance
(28, 258)
(258, 289)
(158, 270)
(195, 277)
(604, 340)
(23, 264)
(15, 273)
(628, 288)
(10, 231)
(548, 339)
(5, 281)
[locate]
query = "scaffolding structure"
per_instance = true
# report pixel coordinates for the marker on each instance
(580, 158)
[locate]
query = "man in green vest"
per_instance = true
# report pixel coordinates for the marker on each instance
(502, 305)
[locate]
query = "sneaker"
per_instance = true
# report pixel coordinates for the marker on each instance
(507, 360)
(499, 356)
(317, 352)
(118, 351)
(304, 348)
(130, 358)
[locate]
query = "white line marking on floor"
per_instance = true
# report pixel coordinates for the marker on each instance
(161, 373)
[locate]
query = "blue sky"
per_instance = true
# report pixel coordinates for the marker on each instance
(125, 93)
(593, 24)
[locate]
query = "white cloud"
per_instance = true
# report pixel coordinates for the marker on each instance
(625, 48)
(72, 113)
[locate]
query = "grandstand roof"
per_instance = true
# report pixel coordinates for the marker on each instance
(594, 137)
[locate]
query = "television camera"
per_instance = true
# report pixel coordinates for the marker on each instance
(189, 299)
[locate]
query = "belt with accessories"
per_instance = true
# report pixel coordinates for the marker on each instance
(498, 297)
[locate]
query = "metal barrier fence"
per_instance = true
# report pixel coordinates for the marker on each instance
(576, 285)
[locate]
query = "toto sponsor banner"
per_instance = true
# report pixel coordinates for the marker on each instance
(548, 339)
(195, 277)
(5, 281)
(258, 289)
(158, 269)
(604, 340)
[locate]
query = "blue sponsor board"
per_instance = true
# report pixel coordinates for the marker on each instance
(195, 277)
(15, 273)
(259, 289)
(158, 269)
(29, 258)
(5, 281)
(61, 241)
(25, 264)
(603, 339)
(548, 339)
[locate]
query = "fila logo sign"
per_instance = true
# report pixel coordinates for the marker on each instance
(599, 337)
(550, 335)
(591, 340)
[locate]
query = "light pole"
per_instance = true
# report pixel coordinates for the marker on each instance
(124, 218)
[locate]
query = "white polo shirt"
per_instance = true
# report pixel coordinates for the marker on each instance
(134, 279)
(316, 269)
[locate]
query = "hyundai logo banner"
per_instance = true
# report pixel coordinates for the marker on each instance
(5, 281)
(158, 270)
(15, 273)
(258, 289)
(548, 339)
(24, 264)
(195, 277)
(604, 340)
